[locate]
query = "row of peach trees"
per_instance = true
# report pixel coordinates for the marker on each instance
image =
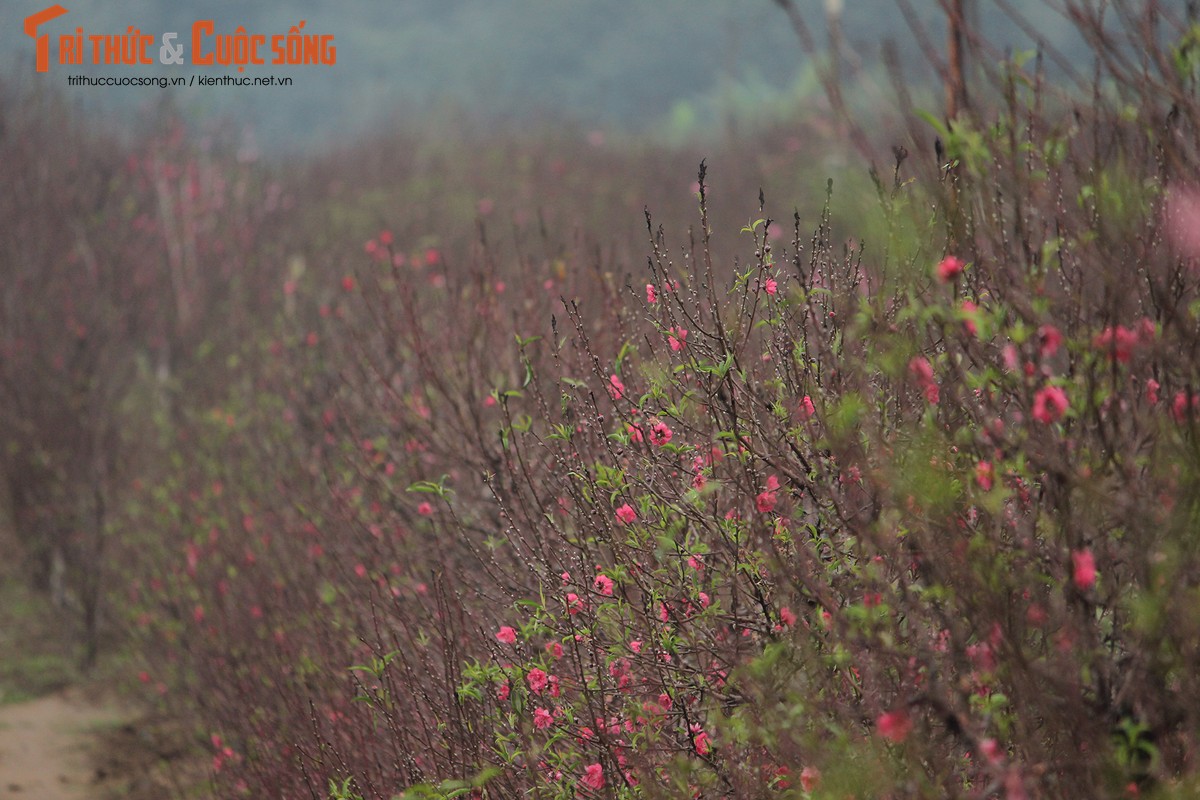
(905, 515)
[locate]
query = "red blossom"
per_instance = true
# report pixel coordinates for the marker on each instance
(949, 268)
(1181, 406)
(1049, 404)
(574, 604)
(593, 777)
(970, 313)
(1152, 387)
(1117, 343)
(506, 635)
(895, 726)
(807, 409)
(537, 679)
(1049, 340)
(984, 475)
(660, 434)
(922, 371)
(1084, 569)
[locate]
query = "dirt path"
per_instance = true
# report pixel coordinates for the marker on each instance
(45, 746)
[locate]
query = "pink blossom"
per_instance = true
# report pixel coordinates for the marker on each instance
(1010, 357)
(810, 777)
(991, 751)
(771, 286)
(616, 389)
(677, 338)
(895, 726)
(593, 777)
(604, 585)
(984, 475)
(660, 434)
(574, 604)
(507, 635)
(555, 649)
(787, 617)
(1049, 340)
(537, 680)
(1117, 343)
(970, 318)
(635, 432)
(542, 719)
(1084, 573)
(949, 268)
(1049, 404)
(626, 514)
(765, 502)
(425, 509)
(1180, 406)
(982, 656)
(636, 646)
(922, 371)
(699, 739)
(807, 409)
(1152, 387)
(651, 293)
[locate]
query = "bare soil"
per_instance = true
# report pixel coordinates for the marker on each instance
(75, 745)
(46, 746)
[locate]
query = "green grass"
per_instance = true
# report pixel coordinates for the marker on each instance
(36, 656)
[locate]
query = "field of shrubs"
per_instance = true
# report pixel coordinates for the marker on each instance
(554, 467)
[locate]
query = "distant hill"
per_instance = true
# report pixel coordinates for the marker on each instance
(630, 64)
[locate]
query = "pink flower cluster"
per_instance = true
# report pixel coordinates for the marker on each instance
(922, 372)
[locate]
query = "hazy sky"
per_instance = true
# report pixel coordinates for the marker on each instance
(633, 64)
